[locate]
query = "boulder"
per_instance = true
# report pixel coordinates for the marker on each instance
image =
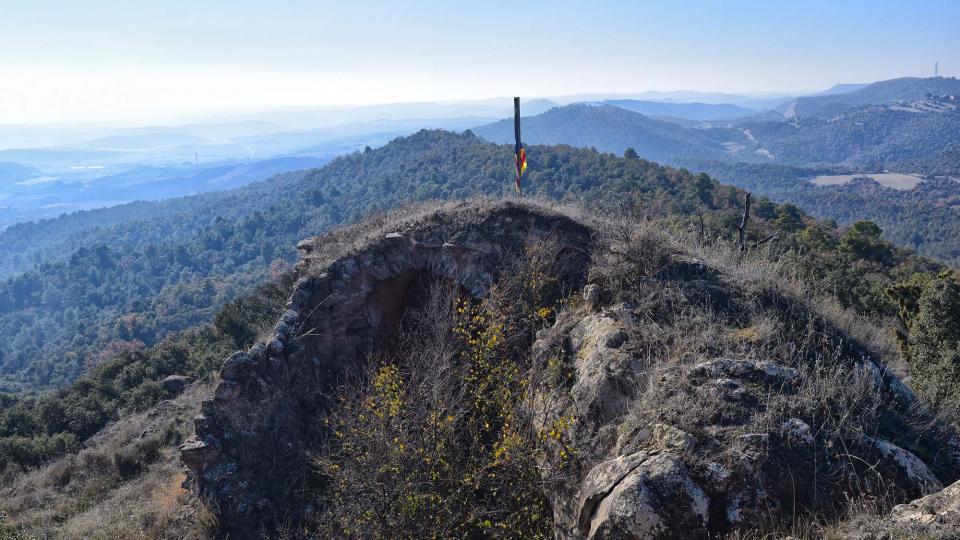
(941, 508)
(591, 297)
(175, 383)
(642, 496)
(605, 376)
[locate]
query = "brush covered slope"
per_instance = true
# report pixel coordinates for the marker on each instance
(506, 369)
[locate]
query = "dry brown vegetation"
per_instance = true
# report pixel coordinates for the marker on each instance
(125, 483)
(438, 438)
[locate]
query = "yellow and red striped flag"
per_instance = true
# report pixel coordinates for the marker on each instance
(520, 157)
(519, 154)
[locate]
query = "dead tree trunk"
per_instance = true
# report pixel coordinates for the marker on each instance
(742, 229)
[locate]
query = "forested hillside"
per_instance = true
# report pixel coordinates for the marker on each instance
(869, 137)
(133, 225)
(687, 111)
(873, 137)
(144, 279)
(925, 218)
(137, 286)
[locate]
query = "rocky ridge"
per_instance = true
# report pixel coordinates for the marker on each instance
(667, 446)
(252, 436)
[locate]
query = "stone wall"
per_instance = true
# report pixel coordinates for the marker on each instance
(248, 459)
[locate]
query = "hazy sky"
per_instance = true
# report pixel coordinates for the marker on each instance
(69, 60)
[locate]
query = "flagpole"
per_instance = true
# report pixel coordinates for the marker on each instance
(517, 146)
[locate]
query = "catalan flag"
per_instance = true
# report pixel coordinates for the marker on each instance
(519, 154)
(521, 161)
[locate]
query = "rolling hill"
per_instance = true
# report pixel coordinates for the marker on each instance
(124, 284)
(878, 93)
(612, 129)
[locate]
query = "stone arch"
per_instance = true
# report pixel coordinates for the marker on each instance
(247, 459)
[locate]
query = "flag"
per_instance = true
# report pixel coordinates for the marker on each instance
(519, 154)
(520, 157)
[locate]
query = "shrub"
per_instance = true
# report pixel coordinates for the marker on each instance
(439, 440)
(934, 343)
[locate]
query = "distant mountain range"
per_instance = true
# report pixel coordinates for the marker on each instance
(611, 129)
(885, 125)
(875, 127)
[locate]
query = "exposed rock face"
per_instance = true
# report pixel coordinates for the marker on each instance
(247, 458)
(933, 516)
(655, 480)
(643, 495)
(606, 377)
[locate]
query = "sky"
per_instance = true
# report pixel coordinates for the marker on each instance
(94, 60)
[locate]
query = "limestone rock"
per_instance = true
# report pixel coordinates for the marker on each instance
(606, 377)
(768, 373)
(915, 470)
(591, 296)
(642, 496)
(672, 438)
(941, 508)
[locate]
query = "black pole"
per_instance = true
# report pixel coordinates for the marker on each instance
(516, 123)
(742, 229)
(516, 147)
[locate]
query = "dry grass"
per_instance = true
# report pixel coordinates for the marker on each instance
(695, 301)
(127, 482)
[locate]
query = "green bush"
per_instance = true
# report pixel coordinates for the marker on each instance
(934, 343)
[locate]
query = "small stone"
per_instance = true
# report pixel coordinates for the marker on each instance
(797, 431)
(673, 438)
(591, 296)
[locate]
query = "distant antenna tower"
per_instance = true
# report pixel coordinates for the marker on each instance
(196, 159)
(936, 69)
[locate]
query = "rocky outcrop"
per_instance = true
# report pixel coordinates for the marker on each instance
(690, 444)
(742, 467)
(175, 384)
(247, 459)
(934, 516)
(643, 495)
